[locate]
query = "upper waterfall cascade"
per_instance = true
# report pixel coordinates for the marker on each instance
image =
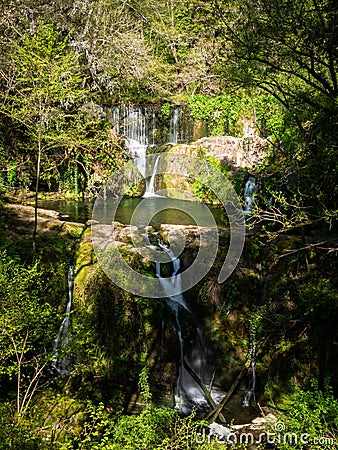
(143, 127)
(147, 125)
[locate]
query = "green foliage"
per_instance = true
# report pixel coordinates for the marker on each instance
(16, 434)
(274, 48)
(26, 316)
(29, 297)
(144, 386)
(165, 109)
(238, 181)
(200, 187)
(314, 412)
(271, 117)
(253, 249)
(221, 112)
(64, 136)
(95, 432)
(153, 429)
(225, 113)
(232, 294)
(145, 431)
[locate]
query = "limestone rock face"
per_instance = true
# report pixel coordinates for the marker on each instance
(247, 151)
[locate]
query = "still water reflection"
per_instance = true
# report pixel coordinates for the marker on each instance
(154, 210)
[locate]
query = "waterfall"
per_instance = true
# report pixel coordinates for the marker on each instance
(133, 123)
(251, 389)
(174, 125)
(179, 299)
(147, 125)
(144, 126)
(188, 393)
(249, 194)
(150, 185)
(138, 153)
(61, 362)
(138, 126)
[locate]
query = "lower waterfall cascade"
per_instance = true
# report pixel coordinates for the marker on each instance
(188, 392)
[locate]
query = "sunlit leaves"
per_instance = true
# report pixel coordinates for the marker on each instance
(26, 317)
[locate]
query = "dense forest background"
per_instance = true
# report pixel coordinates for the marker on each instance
(62, 64)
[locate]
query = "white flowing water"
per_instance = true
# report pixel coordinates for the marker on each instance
(175, 279)
(138, 153)
(139, 127)
(61, 362)
(174, 125)
(249, 194)
(188, 393)
(150, 185)
(132, 124)
(147, 124)
(250, 393)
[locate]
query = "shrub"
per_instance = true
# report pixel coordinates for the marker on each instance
(312, 417)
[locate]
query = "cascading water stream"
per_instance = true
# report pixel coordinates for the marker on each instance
(138, 153)
(174, 280)
(150, 185)
(61, 362)
(188, 392)
(250, 392)
(174, 125)
(140, 128)
(131, 123)
(249, 194)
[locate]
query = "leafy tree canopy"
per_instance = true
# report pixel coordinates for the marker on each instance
(288, 49)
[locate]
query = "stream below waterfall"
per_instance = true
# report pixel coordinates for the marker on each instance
(195, 368)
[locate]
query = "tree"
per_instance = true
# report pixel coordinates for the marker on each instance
(288, 49)
(27, 323)
(182, 36)
(44, 86)
(45, 101)
(114, 55)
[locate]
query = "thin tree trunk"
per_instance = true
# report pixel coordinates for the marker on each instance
(36, 196)
(213, 415)
(207, 394)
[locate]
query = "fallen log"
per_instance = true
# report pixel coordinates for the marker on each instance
(207, 394)
(217, 411)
